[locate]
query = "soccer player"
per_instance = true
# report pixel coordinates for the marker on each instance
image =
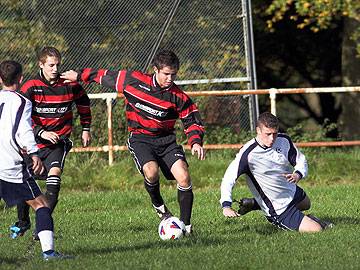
(153, 104)
(17, 141)
(273, 167)
(52, 118)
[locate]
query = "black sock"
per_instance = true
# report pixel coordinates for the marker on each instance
(23, 212)
(185, 199)
(44, 220)
(53, 183)
(154, 191)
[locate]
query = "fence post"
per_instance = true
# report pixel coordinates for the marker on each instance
(273, 100)
(110, 138)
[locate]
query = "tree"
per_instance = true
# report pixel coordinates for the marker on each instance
(306, 50)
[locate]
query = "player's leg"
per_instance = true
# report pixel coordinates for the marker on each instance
(145, 161)
(30, 192)
(152, 186)
(53, 184)
(304, 204)
(54, 161)
(247, 205)
(45, 228)
(23, 224)
(309, 225)
(185, 193)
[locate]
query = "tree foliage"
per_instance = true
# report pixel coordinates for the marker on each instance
(315, 14)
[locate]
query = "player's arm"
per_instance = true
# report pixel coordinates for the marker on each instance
(82, 102)
(193, 126)
(107, 78)
(298, 160)
(234, 170)
(25, 137)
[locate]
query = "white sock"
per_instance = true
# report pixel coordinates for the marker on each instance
(47, 240)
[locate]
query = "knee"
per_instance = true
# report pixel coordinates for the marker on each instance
(55, 171)
(309, 225)
(38, 202)
(184, 180)
(151, 174)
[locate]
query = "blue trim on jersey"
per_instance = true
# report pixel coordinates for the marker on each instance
(244, 160)
(292, 151)
(18, 117)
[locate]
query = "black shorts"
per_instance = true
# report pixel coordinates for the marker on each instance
(162, 149)
(54, 156)
(15, 193)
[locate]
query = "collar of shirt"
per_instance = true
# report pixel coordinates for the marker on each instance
(157, 87)
(42, 78)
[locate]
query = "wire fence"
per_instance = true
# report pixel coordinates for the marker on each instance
(211, 38)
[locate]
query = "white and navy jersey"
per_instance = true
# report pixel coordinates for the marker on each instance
(264, 168)
(17, 136)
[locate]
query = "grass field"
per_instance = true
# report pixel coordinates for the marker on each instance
(107, 229)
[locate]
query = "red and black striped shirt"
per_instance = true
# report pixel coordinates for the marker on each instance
(52, 106)
(150, 109)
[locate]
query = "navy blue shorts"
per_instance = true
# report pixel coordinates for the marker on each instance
(15, 193)
(292, 217)
(162, 149)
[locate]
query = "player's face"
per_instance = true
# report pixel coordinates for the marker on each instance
(50, 68)
(266, 136)
(165, 76)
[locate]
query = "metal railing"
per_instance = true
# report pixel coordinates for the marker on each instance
(109, 97)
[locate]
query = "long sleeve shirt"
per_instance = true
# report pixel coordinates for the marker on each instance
(150, 109)
(16, 136)
(265, 168)
(52, 106)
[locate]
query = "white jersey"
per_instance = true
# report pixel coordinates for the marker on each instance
(16, 137)
(265, 168)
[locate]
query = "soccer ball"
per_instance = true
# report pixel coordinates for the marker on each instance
(171, 228)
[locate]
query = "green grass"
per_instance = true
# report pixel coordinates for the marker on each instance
(105, 219)
(118, 230)
(91, 172)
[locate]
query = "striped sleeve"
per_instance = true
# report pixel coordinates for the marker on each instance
(82, 102)
(190, 117)
(108, 78)
(27, 91)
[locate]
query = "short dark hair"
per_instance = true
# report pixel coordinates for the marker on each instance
(48, 51)
(165, 58)
(268, 120)
(10, 72)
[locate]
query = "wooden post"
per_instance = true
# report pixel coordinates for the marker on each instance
(110, 138)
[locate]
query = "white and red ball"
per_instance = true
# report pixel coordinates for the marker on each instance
(171, 228)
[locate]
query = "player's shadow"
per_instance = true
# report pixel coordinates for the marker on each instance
(339, 220)
(154, 245)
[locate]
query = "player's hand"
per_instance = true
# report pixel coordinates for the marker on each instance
(69, 76)
(292, 177)
(86, 138)
(230, 213)
(50, 136)
(37, 165)
(197, 148)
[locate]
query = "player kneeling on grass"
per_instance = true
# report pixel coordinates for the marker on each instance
(16, 141)
(273, 166)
